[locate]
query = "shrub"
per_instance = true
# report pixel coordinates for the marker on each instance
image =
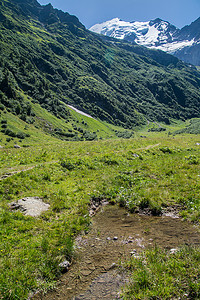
(192, 159)
(166, 150)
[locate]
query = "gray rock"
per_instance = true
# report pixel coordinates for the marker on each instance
(64, 266)
(30, 206)
(130, 241)
(115, 238)
(17, 146)
(1, 147)
(198, 144)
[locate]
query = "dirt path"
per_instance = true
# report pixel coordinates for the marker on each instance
(9, 174)
(115, 236)
(149, 147)
(24, 169)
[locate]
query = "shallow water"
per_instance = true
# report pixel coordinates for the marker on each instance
(114, 237)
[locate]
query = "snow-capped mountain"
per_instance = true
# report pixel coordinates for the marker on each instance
(183, 43)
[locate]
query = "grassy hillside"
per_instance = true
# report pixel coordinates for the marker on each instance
(42, 126)
(193, 127)
(49, 58)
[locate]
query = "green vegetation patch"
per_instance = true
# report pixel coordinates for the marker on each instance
(192, 128)
(159, 274)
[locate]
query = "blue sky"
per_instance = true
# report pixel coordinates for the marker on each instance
(90, 12)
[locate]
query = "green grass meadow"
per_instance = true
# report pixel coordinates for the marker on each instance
(152, 172)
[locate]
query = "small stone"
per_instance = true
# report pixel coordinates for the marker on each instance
(108, 238)
(173, 250)
(133, 252)
(1, 147)
(64, 266)
(115, 238)
(17, 146)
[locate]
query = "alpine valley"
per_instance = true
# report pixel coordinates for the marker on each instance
(157, 34)
(49, 60)
(99, 161)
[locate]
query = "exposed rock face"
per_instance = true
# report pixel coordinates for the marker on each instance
(30, 206)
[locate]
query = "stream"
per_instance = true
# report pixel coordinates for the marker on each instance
(116, 235)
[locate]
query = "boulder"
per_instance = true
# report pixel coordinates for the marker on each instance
(30, 206)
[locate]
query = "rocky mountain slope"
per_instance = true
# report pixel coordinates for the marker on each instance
(158, 34)
(48, 58)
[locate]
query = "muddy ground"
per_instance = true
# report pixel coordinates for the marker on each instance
(116, 235)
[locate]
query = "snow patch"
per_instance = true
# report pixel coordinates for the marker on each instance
(174, 46)
(80, 112)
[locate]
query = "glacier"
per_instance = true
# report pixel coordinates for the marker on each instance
(154, 34)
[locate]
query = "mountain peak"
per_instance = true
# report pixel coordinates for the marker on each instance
(148, 33)
(157, 20)
(47, 14)
(158, 34)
